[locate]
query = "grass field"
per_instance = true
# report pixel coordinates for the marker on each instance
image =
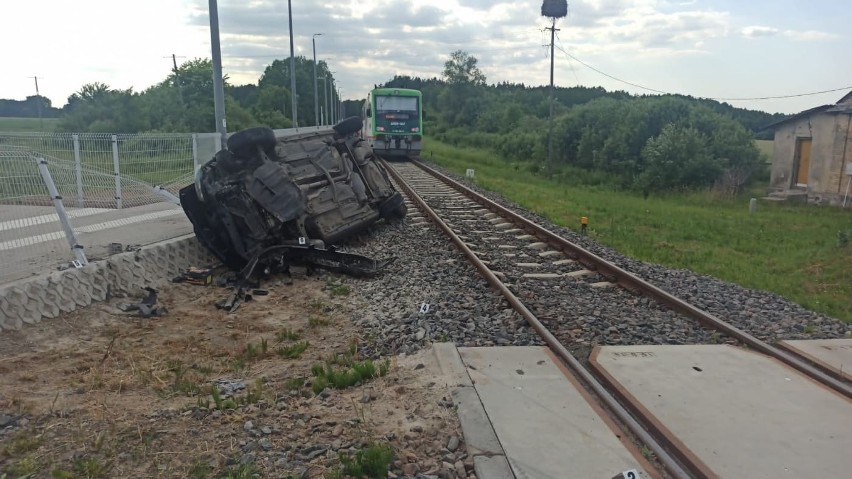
(765, 147)
(792, 250)
(15, 125)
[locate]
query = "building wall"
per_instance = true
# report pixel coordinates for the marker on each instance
(831, 149)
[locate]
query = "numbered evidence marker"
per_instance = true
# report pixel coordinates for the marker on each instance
(424, 308)
(631, 474)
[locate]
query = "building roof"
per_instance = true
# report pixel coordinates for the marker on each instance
(847, 98)
(843, 109)
(801, 114)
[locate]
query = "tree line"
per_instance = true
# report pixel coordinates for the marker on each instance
(641, 142)
(182, 102)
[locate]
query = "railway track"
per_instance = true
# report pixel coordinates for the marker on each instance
(548, 280)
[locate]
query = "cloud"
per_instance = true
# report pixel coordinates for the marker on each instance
(757, 31)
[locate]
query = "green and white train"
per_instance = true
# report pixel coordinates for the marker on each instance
(393, 122)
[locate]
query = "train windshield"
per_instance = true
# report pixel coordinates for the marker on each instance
(396, 103)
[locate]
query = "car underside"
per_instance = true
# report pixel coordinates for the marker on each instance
(272, 202)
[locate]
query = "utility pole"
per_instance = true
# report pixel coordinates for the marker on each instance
(553, 31)
(292, 65)
(218, 81)
(316, 93)
(552, 9)
(177, 80)
(38, 103)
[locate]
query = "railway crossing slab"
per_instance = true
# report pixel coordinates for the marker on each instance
(833, 355)
(546, 424)
(735, 413)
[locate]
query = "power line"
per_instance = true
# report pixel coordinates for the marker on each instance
(776, 97)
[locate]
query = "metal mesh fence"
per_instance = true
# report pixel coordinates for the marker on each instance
(107, 185)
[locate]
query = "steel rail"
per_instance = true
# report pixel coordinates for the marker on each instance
(669, 463)
(631, 281)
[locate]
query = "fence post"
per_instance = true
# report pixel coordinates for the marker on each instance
(78, 168)
(76, 248)
(194, 152)
(116, 171)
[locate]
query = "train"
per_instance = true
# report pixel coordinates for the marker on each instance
(393, 122)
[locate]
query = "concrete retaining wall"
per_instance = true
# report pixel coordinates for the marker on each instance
(32, 300)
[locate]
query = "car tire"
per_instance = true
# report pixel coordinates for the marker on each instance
(393, 209)
(348, 126)
(244, 142)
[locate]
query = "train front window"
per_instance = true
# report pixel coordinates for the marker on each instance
(387, 104)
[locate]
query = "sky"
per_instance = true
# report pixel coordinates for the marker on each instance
(724, 49)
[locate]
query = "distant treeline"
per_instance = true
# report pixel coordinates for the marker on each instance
(645, 142)
(28, 108)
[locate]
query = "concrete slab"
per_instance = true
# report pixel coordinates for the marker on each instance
(833, 355)
(547, 425)
(736, 412)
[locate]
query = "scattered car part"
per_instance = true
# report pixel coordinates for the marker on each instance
(147, 308)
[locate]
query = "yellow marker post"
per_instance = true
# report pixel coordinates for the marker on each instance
(584, 223)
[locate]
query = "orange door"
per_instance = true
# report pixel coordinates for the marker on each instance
(804, 155)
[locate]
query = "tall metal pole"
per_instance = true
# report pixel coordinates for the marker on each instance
(316, 92)
(218, 82)
(292, 66)
(550, 128)
(333, 102)
(328, 98)
(324, 100)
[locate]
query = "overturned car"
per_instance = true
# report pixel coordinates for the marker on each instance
(271, 202)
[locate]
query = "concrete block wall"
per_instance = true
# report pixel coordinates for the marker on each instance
(33, 300)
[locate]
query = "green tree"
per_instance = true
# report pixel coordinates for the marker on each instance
(679, 157)
(98, 108)
(461, 68)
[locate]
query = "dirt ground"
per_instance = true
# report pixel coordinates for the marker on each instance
(103, 393)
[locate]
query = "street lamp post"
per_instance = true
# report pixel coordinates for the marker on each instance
(316, 93)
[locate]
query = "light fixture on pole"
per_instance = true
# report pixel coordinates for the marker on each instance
(316, 93)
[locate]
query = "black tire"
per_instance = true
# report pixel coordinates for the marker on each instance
(348, 126)
(244, 142)
(393, 209)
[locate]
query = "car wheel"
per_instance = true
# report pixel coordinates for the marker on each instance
(244, 142)
(393, 209)
(347, 126)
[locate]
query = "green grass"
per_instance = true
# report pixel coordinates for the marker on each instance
(766, 148)
(370, 462)
(792, 250)
(349, 375)
(11, 124)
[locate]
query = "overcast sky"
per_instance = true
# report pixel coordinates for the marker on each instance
(718, 49)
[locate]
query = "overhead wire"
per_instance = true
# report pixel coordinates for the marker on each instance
(773, 97)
